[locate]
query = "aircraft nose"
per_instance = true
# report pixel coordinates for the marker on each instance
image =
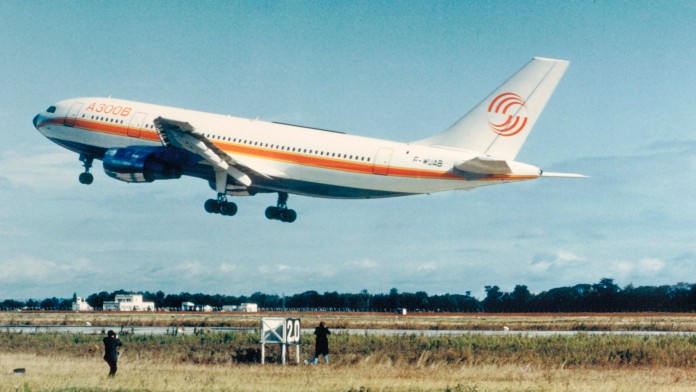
(36, 121)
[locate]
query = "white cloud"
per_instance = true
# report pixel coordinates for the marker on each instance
(364, 263)
(427, 267)
(554, 262)
(36, 271)
(643, 269)
(191, 268)
(54, 169)
(227, 267)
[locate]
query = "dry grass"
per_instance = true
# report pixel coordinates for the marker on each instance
(474, 363)
(48, 373)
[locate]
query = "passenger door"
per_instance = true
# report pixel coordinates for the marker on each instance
(382, 160)
(136, 125)
(71, 116)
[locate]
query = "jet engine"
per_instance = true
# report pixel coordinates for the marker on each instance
(140, 164)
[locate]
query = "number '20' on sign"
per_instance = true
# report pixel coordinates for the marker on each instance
(292, 331)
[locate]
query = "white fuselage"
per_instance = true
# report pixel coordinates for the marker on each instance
(292, 159)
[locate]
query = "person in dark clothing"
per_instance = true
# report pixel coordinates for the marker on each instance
(322, 344)
(111, 344)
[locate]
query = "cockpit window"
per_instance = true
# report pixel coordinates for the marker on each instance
(51, 109)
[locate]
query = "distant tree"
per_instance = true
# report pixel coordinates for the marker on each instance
(97, 300)
(50, 304)
(32, 304)
(394, 301)
(10, 304)
(604, 296)
(519, 299)
(159, 299)
(493, 301)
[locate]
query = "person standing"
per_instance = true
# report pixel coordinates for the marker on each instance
(322, 343)
(111, 345)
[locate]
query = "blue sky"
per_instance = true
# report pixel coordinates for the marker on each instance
(623, 114)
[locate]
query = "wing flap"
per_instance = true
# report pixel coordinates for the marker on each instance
(183, 135)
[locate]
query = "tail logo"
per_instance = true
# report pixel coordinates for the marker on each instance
(507, 114)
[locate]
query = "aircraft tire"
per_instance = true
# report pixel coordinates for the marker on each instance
(228, 209)
(86, 178)
(273, 213)
(288, 216)
(212, 206)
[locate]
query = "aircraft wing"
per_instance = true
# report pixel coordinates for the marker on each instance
(183, 135)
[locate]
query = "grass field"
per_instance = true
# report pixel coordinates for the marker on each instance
(407, 362)
(56, 373)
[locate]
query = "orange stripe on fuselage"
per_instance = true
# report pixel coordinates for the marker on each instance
(286, 156)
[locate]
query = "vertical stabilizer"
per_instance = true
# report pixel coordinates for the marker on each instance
(499, 125)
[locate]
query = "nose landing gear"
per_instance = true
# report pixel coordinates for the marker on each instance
(86, 177)
(281, 211)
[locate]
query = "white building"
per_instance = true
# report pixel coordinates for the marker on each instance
(246, 307)
(188, 306)
(81, 305)
(128, 303)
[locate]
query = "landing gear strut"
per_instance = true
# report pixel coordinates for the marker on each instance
(86, 177)
(281, 211)
(221, 206)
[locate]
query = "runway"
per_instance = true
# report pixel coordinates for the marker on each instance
(100, 330)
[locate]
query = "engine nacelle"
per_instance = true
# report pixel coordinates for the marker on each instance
(139, 164)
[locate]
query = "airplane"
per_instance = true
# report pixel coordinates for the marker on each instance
(140, 142)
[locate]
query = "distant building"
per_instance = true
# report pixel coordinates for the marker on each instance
(251, 308)
(128, 303)
(204, 308)
(81, 305)
(188, 306)
(246, 307)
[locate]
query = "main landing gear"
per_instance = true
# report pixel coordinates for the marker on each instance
(86, 177)
(221, 206)
(281, 211)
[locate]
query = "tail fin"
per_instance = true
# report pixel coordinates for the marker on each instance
(499, 125)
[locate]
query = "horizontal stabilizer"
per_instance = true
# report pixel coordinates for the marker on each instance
(484, 165)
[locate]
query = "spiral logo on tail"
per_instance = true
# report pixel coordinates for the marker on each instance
(507, 114)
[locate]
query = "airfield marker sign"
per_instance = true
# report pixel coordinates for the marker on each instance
(280, 330)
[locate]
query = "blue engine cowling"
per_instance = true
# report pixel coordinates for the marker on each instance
(141, 164)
